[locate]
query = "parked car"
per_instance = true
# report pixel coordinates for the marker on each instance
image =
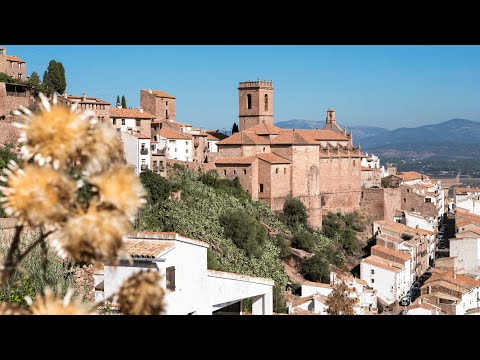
(411, 293)
(416, 284)
(427, 274)
(405, 301)
(442, 246)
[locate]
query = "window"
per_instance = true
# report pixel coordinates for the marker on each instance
(372, 271)
(19, 65)
(261, 188)
(413, 209)
(143, 146)
(137, 123)
(225, 172)
(154, 164)
(20, 76)
(428, 200)
(114, 121)
(353, 162)
(166, 113)
(404, 200)
(175, 149)
(244, 171)
(11, 64)
(284, 171)
(186, 150)
(153, 147)
(266, 102)
(143, 161)
(123, 121)
(263, 149)
(170, 278)
(234, 172)
(276, 171)
(373, 280)
(408, 190)
(249, 101)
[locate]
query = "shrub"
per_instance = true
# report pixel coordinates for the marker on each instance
(158, 187)
(245, 231)
(294, 212)
(316, 268)
(304, 240)
(212, 262)
(283, 244)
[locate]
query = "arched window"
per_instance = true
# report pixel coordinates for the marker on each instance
(249, 101)
(266, 102)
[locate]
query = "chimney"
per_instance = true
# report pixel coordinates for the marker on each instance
(119, 106)
(150, 91)
(65, 95)
(140, 109)
(84, 96)
(454, 275)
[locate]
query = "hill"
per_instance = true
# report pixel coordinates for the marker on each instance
(450, 140)
(359, 132)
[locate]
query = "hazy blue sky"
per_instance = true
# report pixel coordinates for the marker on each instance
(387, 86)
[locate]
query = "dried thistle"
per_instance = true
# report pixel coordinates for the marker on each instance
(37, 195)
(141, 294)
(7, 308)
(120, 187)
(54, 305)
(100, 149)
(53, 134)
(95, 235)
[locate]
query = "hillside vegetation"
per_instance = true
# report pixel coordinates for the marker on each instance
(245, 236)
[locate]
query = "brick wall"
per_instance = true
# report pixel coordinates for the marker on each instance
(381, 203)
(416, 202)
(10, 103)
(230, 151)
(157, 106)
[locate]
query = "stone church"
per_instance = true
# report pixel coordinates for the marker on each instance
(320, 167)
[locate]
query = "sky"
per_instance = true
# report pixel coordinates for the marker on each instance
(384, 86)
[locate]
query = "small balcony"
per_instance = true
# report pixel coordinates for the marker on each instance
(143, 167)
(144, 151)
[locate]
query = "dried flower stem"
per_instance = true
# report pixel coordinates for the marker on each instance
(8, 264)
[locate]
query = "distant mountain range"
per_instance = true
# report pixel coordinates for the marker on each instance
(359, 132)
(449, 140)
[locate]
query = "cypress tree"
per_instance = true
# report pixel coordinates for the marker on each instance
(234, 128)
(118, 100)
(124, 102)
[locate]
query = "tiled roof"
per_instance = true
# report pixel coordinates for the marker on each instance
(423, 305)
(317, 284)
(164, 235)
(137, 135)
(410, 175)
(244, 138)
(129, 113)
(475, 234)
(400, 228)
(88, 100)
(307, 137)
(146, 248)
(236, 160)
(448, 276)
(264, 129)
(160, 93)
(170, 134)
(384, 264)
(216, 134)
(464, 190)
(14, 58)
(272, 158)
(395, 253)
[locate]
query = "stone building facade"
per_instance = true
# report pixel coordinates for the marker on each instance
(12, 65)
(320, 167)
(159, 103)
(101, 108)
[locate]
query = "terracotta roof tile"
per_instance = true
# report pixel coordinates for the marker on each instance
(236, 160)
(129, 113)
(217, 134)
(464, 190)
(14, 58)
(264, 129)
(160, 93)
(244, 138)
(170, 134)
(410, 175)
(384, 264)
(317, 284)
(272, 158)
(146, 248)
(395, 253)
(88, 100)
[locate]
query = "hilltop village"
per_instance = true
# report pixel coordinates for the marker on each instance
(424, 238)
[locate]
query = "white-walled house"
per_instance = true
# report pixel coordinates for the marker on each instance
(190, 287)
(421, 307)
(212, 143)
(466, 248)
(176, 145)
(468, 199)
(136, 148)
(131, 120)
(429, 227)
(390, 279)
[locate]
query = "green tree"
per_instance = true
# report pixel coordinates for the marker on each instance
(316, 268)
(283, 244)
(294, 212)
(34, 82)
(244, 230)
(338, 302)
(7, 78)
(118, 100)
(234, 128)
(158, 187)
(304, 240)
(54, 79)
(124, 102)
(212, 262)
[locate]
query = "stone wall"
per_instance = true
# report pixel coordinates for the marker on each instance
(381, 203)
(11, 103)
(416, 203)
